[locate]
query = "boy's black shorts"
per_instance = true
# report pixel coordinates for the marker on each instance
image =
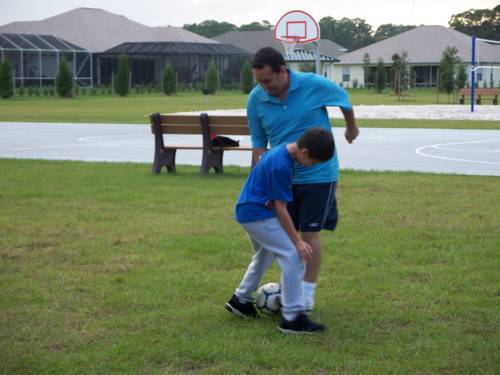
(314, 207)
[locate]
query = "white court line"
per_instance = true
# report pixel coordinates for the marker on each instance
(441, 146)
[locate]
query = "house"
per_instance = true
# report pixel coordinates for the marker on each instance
(101, 32)
(424, 46)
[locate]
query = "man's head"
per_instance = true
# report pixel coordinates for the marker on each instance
(269, 70)
(316, 145)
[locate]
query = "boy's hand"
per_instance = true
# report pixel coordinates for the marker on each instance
(304, 249)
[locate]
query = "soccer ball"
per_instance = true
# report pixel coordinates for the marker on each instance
(268, 299)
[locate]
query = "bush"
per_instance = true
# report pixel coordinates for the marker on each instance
(355, 83)
(169, 81)
(6, 89)
(121, 79)
(212, 78)
(246, 78)
(20, 91)
(64, 81)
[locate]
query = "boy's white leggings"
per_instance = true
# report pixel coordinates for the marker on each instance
(270, 242)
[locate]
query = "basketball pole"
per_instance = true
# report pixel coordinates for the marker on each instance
(473, 73)
(318, 57)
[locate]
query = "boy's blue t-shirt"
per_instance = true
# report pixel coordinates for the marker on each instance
(274, 122)
(269, 180)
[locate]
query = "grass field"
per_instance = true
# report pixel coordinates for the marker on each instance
(105, 268)
(135, 108)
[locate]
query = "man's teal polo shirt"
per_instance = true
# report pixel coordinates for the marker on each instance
(274, 122)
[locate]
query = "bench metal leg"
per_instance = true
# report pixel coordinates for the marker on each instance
(212, 159)
(164, 158)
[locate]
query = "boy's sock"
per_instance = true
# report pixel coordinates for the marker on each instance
(309, 289)
(290, 316)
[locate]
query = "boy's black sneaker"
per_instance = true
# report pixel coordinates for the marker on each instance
(242, 310)
(301, 324)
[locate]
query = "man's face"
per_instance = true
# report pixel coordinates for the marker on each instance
(274, 83)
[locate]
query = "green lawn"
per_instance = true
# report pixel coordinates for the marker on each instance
(135, 108)
(105, 268)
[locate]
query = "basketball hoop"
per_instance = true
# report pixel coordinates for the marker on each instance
(289, 45)
(296, 27)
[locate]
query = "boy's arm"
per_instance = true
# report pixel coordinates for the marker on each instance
(303, 248)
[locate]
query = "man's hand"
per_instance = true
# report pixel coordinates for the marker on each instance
(304, 249)
(351, 133)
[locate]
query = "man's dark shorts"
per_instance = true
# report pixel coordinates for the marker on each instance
(314, 207)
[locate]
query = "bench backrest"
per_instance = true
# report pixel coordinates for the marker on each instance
(480, 91)
(203, 124)
(192, 124)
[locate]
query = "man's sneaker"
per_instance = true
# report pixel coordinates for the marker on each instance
(243, 310)
(301, 324)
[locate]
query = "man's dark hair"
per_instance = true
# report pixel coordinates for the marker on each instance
(319, 142)
(268, 56)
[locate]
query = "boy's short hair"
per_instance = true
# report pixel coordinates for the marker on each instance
(319, 142)
(268, 56)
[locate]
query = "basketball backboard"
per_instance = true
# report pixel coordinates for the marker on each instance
(297, 26)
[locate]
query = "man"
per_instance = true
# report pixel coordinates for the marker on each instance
(280, 109)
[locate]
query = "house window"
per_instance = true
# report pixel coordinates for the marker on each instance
(479, 75)
(346, 76)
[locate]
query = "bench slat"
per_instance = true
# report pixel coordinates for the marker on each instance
(196, 129)
(195, 119)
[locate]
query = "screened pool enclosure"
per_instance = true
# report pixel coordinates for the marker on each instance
(35, 59)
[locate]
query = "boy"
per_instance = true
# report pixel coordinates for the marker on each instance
(261, 210)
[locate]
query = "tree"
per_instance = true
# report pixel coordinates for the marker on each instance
(256, 26)
(447, 68)
(121, 81)
(327, 27)
(461, 76)
(6, 90)
(169, 81)
(400, 72)
(64, 81)
(366, 68)
(380, 76)
(485, 23)
(210, 28)
(246, 78)
(212, 78)
(389, 29)
(350, 33)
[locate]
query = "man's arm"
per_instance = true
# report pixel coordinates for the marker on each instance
(351, 131)
(303, 248)
(256, 154)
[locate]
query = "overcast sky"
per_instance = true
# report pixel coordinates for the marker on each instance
(180, 12)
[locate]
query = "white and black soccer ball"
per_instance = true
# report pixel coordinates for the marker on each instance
(268, 299)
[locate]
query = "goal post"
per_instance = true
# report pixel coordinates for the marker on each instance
(476, 64)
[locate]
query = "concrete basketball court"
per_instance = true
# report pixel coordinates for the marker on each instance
(470, 152)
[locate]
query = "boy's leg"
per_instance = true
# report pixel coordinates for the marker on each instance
(261, 261)
(270, 235)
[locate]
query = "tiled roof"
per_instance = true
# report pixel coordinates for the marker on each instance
(99, 30)
(252, 41)
(424, 44)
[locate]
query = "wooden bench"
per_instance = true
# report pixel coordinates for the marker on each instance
(480, 94)
(203, 125)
